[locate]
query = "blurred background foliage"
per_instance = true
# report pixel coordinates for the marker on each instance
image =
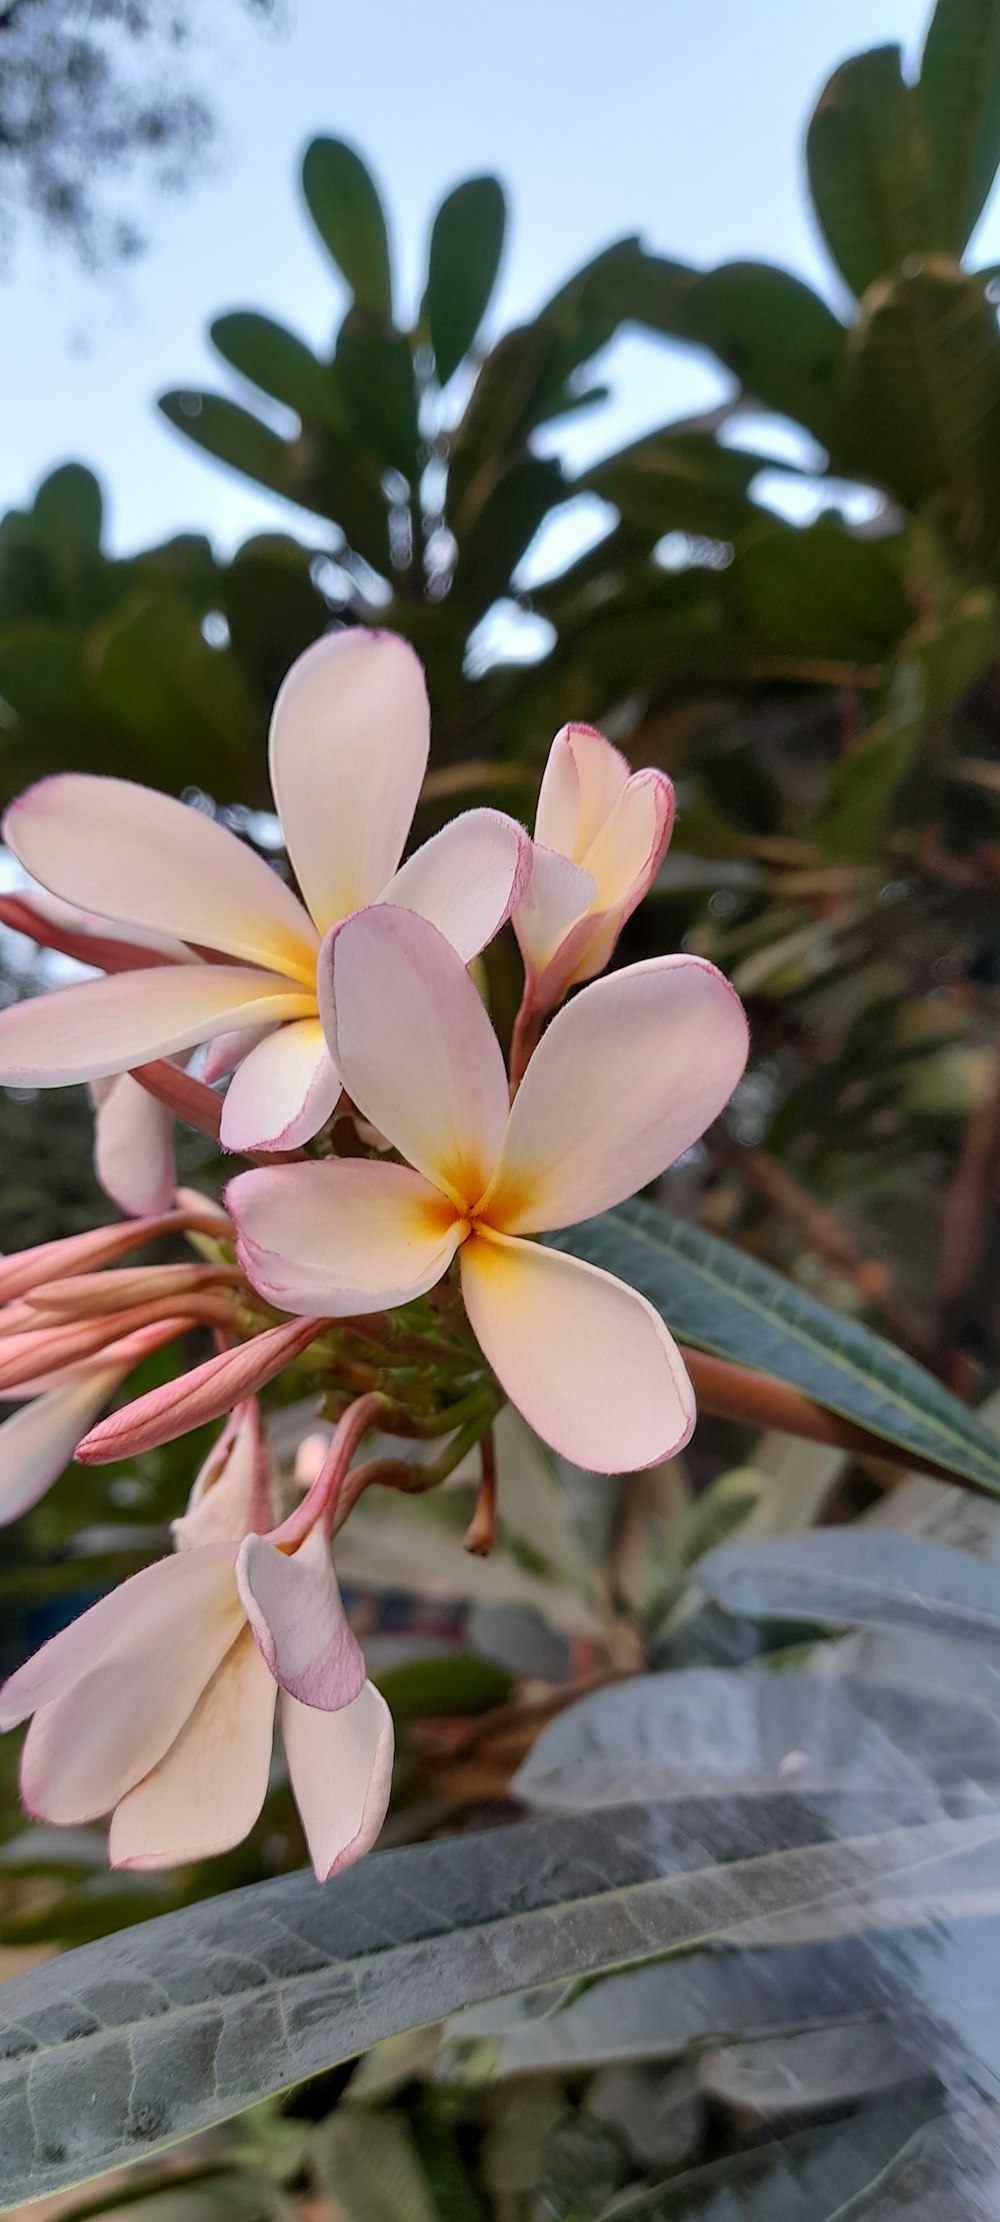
(825, 695)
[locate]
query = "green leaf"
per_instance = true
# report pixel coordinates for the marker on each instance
(959, 99)
(507, 401)
(41, 670)
(234, 436)
(184, 703)
(721, 1300)
(503, 529)
(819, 592)
(69, 510)
(466, 247)
(679, 482)
(780, 340)
(868, 168)
(442, 1689)
(280, 364)
(816, 2176)
(369, 2165)
(858, 1577)
(376, 368)
(922, 394)
(343, 201)
(125, 2046)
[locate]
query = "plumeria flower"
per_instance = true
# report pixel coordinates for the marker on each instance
(158, 1704)
(59, 1407)
(349, 742)
(601, 831)
(628, 1075)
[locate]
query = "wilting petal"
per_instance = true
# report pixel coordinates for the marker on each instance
(107, 1026)
(207, 1790)
(86, 1749)
(416, 1050)
(626, 1078)
(341, 1237)
(293, 1603)
(582, 781)
(466, 879)
(142, 1615)
(134, 1147)
(586, 1360)
(235, 1492)
(340, 1765)
(349, 741)
(283, 1092)
(37, 1442)
(145, 860)
(203, 1394)
(558, 894)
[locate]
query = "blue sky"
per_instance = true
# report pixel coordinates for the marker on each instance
(680, 119)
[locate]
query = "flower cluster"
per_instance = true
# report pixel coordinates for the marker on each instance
(381, 1249)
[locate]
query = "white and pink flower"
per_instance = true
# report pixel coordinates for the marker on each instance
(627, 1077)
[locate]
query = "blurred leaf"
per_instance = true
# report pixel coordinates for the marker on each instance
(503, 529)
(376, 368)
(446, 1688)
(41, 670)
(820, 592)
(369, 2164)
(272, 608)
(679, 482)
(507, 401)
(959, 101)
(850, 1577)
(280, 364)
(699, 1729)
(814, 2071)
(179, 2024)
(466, 247)
(343, 201)
(721, 1300)
(814, 2177)
(185, 703)
(868, 168)
(69, 510)
(234, 436)
(777, 336)
(923, 392)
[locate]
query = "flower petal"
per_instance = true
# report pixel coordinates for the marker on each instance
(557, 896)
(283, 1092)
(341, 1237)
(235, 1491)
(466, 879)
(37, 1443)
(628, 1075)
(349, 741)
(85, 1749)
(222, 1055)
(340, 1766)
(134, 1147)
(107, 1026)
(293, 1603)
(587, 1361)
(142, 1614)
(143, 859)
(206, 1792)
(628, 848)
(581, 783)
(415, 1047)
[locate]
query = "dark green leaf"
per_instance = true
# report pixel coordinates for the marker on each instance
(185, 704)
(679, 482)
(370, 2167)
(868, 168)
(41, 670)
(69, 510)
(280, 364)
(503, 529)
(820, 592)
(343, 201)
(234, 436)
(781, 341)
(465, 251)
(923, 393)
(959, 98)
(376, 368)
(806, 2179)
(445, 1688)
(724, 1301)
(125, 2046)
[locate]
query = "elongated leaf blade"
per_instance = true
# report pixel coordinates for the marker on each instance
(853, 1577)
(959, 97)
(125, 2046)
(720, 1300)
(343, 201)
(465, 251)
